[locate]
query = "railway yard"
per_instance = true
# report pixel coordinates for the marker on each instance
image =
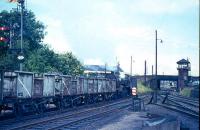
(118, 114)
(70, 71)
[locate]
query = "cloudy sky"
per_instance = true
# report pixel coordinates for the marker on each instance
(111, 31)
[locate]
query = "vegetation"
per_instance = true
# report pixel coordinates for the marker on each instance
(186, 91)
(142, 89)
(38, 56)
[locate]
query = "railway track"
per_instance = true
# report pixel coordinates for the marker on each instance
(89, 118)
(68, 119)
(13, 118)
(184, 106)
(180, 110)
(181, 105)
(183, 102)
(191, 103)
(186, 98)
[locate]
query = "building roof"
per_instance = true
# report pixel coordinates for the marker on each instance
(101, 68)
(183, 61)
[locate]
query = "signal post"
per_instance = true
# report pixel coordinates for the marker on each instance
(4, 46)
(136, 101)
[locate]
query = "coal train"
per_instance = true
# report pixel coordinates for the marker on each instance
(25, 92)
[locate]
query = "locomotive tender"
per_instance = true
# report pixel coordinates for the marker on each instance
(28, 91)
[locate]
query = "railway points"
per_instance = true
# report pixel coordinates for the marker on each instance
(43, 89)
(118, 114)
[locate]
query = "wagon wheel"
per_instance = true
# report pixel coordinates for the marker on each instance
(1, 108)
(37, 108)
(58, 104)
(18, 110)
(41, 108)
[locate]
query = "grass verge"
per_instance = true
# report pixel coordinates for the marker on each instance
(142, 89)
(186, 91)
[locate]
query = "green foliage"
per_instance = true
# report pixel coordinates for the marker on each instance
(39, 60)
(8, 62)
(33, 33)
(45, 60)
(141, 89)
(33, 30)
(38, 57)
(69, 64)
(186, 91)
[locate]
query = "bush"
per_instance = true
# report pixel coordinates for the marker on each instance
(142, 89)
(186, 92)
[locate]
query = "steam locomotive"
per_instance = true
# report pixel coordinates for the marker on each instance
(25, 92)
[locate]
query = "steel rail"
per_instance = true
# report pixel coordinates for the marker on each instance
(186, 98)
(179, 110)
(184, 101)
(66, 116)
(90, 117)
(183, 107)
(55, 111)
(171, 98)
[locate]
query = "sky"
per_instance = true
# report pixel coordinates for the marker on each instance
(111, 31)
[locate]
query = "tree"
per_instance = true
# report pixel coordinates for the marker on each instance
(38, 56)
(45, 60)
(33, 30)
(33, 33)
(68, 64)
(40, 61)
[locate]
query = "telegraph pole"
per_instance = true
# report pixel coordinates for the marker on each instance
(156, 56)
(20, 56)
(161, 41)
(131, 66)
(105, 68)
(1, 84)
(156, 84)
(145, 72)
(21, 30)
